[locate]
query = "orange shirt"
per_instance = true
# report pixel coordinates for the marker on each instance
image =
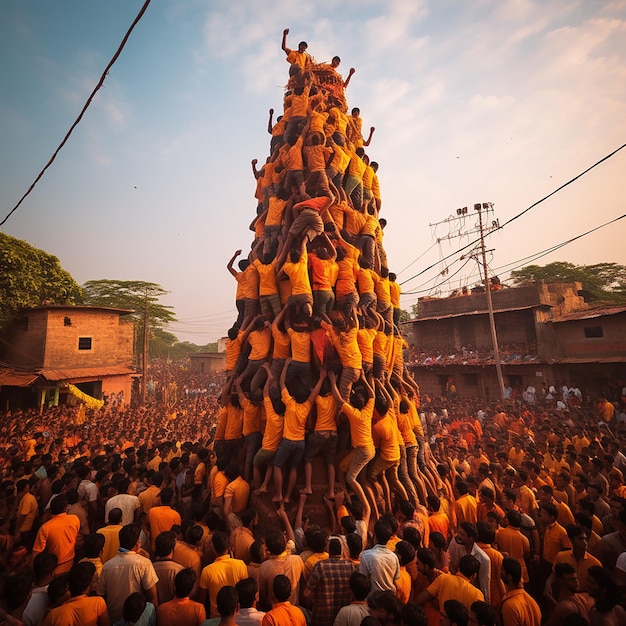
(161, 519)
(323, 273)
(81, 610)
(284, 613)
(385, 441)
(516, 545)
(455, 587)
(581, 567)
(466, 509)
(347, 346)
(267, 278)
(58, 536)
(180, 611)
(365, 338)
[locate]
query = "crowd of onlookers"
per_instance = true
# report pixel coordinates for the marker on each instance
(473, 355)
(136, 516)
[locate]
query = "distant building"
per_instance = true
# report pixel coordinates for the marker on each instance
(51, 347)
(207, 362)
(547, 333)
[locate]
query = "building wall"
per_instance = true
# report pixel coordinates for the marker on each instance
(207, 363)
(50, 339)
(512, 327)
(111, 339)
(115, 384)
(574, 340)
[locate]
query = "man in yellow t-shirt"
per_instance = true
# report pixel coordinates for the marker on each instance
(300, 57)
(291, 448)
(323, 439)
(27, 512)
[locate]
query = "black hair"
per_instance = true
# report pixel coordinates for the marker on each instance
(281, 588)
(247, 590)
(184, 582)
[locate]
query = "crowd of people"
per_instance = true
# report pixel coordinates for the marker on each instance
(196, 510)
(472, 355)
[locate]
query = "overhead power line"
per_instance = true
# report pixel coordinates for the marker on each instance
(84, 109)
(515, 217)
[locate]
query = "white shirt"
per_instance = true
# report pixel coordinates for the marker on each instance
(35, 611)
(125, 573)
(127, 503)
(456, 551)
(249, 617)
(382, 567)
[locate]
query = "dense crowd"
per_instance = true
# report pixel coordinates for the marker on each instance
(195, 508)
(517, 516)
(473, 355)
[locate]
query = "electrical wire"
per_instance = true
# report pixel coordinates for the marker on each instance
(84, 109)
(515, 217)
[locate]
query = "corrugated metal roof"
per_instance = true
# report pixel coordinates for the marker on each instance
(572, 360)
(11, 378)
(587, 314)
(86, 372)
(78, 307)
(481, 312)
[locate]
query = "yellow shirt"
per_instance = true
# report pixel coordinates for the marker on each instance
(581, 567)
(234, 423)
(300, 345)
(282, 344)
(555, 539)
(251, 416)
(260, 342)
(267, 278)
(360, 424)
(347, 346)
(239, 491)
(28, 507)
(455, 587)
(385, 440)
(222, 572)
(326, 413)
(517, 607)
(273, 427)
(295, 417)
(298, 275)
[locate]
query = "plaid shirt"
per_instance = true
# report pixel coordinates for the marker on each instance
(329, 586)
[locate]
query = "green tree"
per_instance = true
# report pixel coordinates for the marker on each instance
(142, 298)
(603, 283)
(30, 277)
(405, 316)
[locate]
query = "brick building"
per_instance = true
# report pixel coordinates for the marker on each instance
(50, 347)
(207, 362)
(547, 333)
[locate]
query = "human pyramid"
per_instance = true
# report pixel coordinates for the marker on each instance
(315, 358)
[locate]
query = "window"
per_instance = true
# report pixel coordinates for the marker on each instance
(84, 343)
(67, 321)
(593, 331)
(471, 380)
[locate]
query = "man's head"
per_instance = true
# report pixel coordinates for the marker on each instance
(80, 577)
(302, 46)
(184, 582)
(281, 588)
(511, 572)
(248, 590)
(469, 566)
(164, 544)
(467, 534)
(129, 536)
(454, 614)
(567, 576)
(220, 543)
(481, 614)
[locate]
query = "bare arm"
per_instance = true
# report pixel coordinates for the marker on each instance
(369, 137)
(315, 391)
(350, 74)
(284, 42)
(229, 267)
(151, 595)
(282, 515)
(254, 169)
(269, 123)
(283, 374)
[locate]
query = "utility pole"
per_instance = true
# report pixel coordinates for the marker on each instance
(455, 224)
(492, 322)
(144, 359)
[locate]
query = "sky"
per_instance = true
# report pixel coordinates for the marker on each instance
(497, 101)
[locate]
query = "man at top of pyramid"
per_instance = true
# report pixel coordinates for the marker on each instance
(300, 58)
